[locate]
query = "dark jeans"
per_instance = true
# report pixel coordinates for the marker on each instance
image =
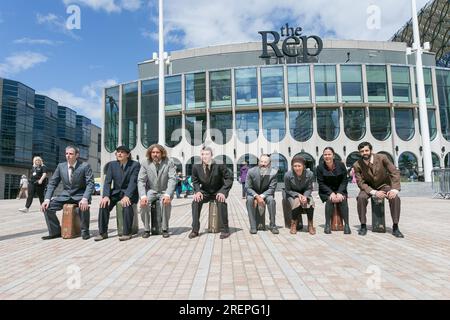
(35, 188)
(53, 225)
(178, 190)
(297, 212)
(104, 213)
(197, 208)
(244, 190)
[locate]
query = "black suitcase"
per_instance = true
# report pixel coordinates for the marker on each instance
(119, 219)
(156, 219)
(378, 220)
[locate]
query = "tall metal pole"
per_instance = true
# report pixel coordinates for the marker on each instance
(423, 116)
(161, 92)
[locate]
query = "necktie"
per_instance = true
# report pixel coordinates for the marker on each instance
(70, 173)
(207, 171)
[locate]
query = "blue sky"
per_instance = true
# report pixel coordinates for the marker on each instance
(72, 66)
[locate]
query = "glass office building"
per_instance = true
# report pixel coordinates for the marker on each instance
(228, 98)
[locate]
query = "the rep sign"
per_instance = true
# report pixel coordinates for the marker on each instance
(293, 39)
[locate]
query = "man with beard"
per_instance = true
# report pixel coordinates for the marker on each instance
(377, 177)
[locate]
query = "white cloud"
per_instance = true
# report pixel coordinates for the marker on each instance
(55, 23)
(20, 62)
(36, 41)
(88, 103)
(198, 23)
(108, 5)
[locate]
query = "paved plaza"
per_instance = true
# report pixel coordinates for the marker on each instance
(244, 266)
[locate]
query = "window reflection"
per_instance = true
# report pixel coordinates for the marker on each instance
(173, 93)
(355, 123)
(351, 83)
(195, 90)
(173, 130)
(328, 123)
(376, 83)
(129, 114)
(325, 83)
(404, 123)
(220, 88)
(272, 85)
(246, 87)
(149, 112)
(221, 127)
(301, 124)
(195, 129)
(247, 126)
(401, 88)
(274, 125)
(299, 84)
(380, 123)
(111, 118)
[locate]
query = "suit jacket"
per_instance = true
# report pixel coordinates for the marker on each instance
(383, 173)
(163, 182)
(82, 185)
(122, 183)
(253, 182)
(220, 179)
(332, 181)
(294, 186)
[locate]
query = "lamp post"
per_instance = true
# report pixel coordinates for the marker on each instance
(423, 116)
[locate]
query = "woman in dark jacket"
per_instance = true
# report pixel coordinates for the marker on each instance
(38, 183)
(332, 179)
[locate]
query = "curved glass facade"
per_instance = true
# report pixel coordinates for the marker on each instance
(328, 123)
(301, 124)
(299, 84)
(195, 129)
(310, 161)
(279, 162)
(174, 133)
(388, 155)
(220, 88)
(380, 123)
(325, 83)
(173, 93)
(112, 98)
(129, 114)
(272, 85)
(221, 129)
(246, 87)
(447, 160)
(401, 86)
(352, 158)
(443, 89)
(223, 159)
(436, 160)
(178, 164)
(377, 86)
(351, 83)
(407, 164)
(404, 123)
(247, 126)
(355, 123)
(190, 163)
(274, 125)
(195, 90)
(149, 112)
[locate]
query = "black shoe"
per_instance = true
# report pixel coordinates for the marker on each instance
(299, 227)
(51, 237)
(193, 234)
(86, 236)
(327, 229)
(274, 230)
(253, 231)
(224, 235)
(101, 236)
(362, 231)
(165, 234)
(146, 234)
(347, 229)
(397, 233)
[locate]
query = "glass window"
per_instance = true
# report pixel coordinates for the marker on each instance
(376, 83)
(355, 123)
(221, 127)
(407, 164)
(246, 87)
(247, 125)
(173, 93)
(195, 90)
(352, 158)
(272, 85)
(328, 123)
(149, 112)
(325, 83)
(129, 114)
(190, 163)
(401, 88)
(351, 83)
(432, 127)
(428, 85)
(274, 125)
(310, 161)
(223, 159)
(404, 123)
(173, 130)
(436, 160)
(443, 88)
(178, 164)
(388, 155)
(380, 123)
(195, 129)
(299, 84)
(447, 160)
(301, 124)
(220, 88)
(279, 162)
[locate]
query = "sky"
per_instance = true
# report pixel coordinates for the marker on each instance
(72, 66)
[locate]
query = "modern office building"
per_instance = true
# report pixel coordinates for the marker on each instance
(242, 105)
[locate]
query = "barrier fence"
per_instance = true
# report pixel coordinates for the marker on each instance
(441, 183)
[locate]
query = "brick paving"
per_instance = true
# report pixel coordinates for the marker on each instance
(244, 266)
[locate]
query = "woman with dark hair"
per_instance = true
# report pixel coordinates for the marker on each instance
(332, 179)
(298, 183)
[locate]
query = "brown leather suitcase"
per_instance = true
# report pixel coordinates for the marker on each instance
(213, 218)
(336, 220)
(70, 225)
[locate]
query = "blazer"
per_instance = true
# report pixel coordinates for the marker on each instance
(122, 183)
(331, 181)
(253, 182)
(384, 174)
(220, 179)
(82, 185)
(163, 182)
(294, 186)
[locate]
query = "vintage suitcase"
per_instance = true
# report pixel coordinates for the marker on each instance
(119, 219)
(287, 214)
(70, 225)
(156, 219)
(260, 216)
(213, 218)
(336, 220)
(378, 220)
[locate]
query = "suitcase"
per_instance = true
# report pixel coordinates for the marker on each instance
(119, 219)
(378, 221)
(213, 218)
(336, 220)
(260, 216)
(155, 219)
(70, 225)
(288, 216)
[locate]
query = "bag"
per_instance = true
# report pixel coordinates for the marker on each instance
(378, 220)
(119, 219)
(156, 219)
(336, 220)
(70, 225)
(260, 215)
(213, 217)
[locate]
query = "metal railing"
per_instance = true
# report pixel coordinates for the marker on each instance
(441, 183)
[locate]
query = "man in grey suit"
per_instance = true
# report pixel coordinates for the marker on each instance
(261, 184)
(156, 183)
(78, 184)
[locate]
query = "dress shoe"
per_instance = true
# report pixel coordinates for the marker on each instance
(146, 234)
(51, 237)
(274, 230)
(193, 234)
(101, 236)
(253, 231)
(362, 231)
(311, 230)
(125, 238)
(327, 229)
(86, 236)
(224, 235)
(347, 229)
(293, 227)
(397, 233)
(165, 234)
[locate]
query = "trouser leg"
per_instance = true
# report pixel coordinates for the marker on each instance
(310, 214)
(251, 212)
(85, 218)
(128, 215)
(53, 225)
(223, 214)
(145, 217)
(362, 201)
(196, 209)
(40, 190)
(329, 208)
(31, 190)
(165, 213)
(271, 205)
(103, 217)
(344, 210)
(394, 206)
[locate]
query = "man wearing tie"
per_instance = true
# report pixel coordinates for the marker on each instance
(261, 184)
(156, 183)
(78, 186)
(211, 181)
(122, 174)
